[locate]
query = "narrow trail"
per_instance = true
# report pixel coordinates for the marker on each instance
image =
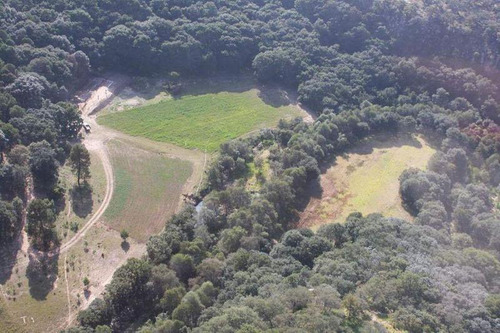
(67, 289)
(97, 97)
(108, 170)
(69, 209)
(94, 142)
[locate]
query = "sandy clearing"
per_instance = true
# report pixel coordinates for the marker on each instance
(100, 269)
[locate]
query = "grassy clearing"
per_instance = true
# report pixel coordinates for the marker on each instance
(366, 180)
(147, 190)
(40, 299)
(200, 121)
(258, 172)
(96, 257)
(7, 323)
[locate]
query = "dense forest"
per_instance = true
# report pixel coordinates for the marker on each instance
(365, 67)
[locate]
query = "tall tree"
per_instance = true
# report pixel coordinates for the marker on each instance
(67, 120)
(43, 163)
(8, 219)
(41, 218)
(79, 160)
(3, 145)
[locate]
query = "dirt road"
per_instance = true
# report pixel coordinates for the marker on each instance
(96, 99)
(100, 271)
(100, 135)
(108, 170)
(96, 140)
(98, 95)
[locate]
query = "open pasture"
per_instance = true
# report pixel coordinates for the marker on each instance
(148, 188)
(203, 119)
(366, 180)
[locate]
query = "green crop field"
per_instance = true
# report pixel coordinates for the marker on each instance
(147, 190)
(200, 121)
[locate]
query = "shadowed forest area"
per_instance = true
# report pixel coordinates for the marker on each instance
(242, 262)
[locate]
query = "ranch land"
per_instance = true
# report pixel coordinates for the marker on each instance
(201, 121)
(366, 180)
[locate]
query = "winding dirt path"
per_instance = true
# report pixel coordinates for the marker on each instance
(94, 143)
(97, 99)
(97, 96)
(108, 170)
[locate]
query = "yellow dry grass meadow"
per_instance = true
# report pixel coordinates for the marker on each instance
(366, 180)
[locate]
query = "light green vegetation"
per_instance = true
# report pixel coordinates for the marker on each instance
(374, 186)
(147, 189)
(200, 121)
(8, 324)
(366, 180)
(258, 172)
(68, 222)
(383, 320)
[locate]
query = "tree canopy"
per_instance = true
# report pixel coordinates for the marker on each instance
(364, 68)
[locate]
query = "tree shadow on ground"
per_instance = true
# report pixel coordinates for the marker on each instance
(381, 141)
(81, 199)
(125, 246)
(274, 96)
(143, 87)
(42, 273)
(8, 255)
(216, 84)
(277, 96)
(312, 190)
